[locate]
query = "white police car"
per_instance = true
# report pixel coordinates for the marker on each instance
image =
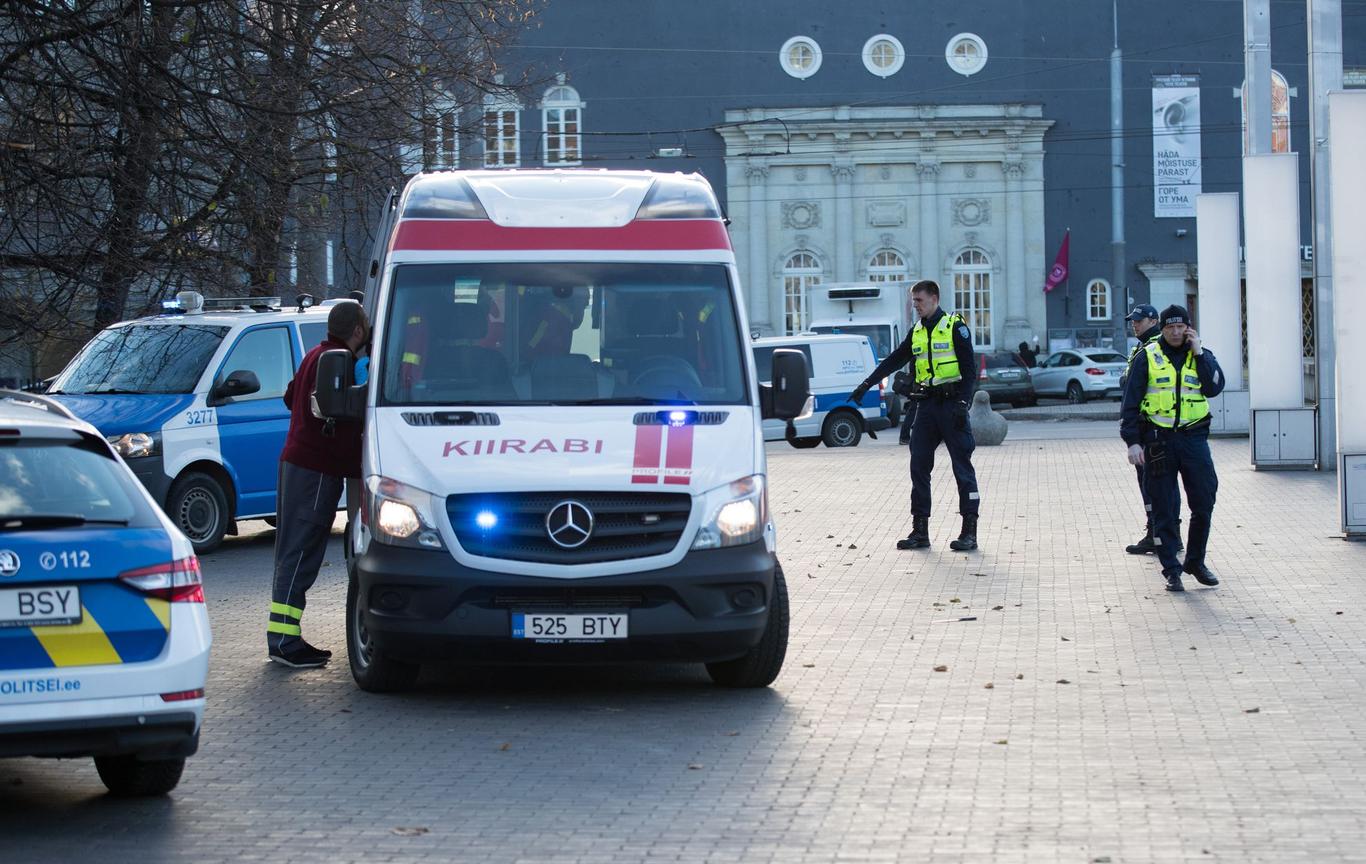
(104, 638)
(192, 399)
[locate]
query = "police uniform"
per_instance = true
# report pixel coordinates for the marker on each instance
(1146, 546)
(940, 348)
(1166, 412)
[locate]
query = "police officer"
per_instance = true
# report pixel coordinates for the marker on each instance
(318, 457)
(1165, 420)
(1143, 320)
(940, 346)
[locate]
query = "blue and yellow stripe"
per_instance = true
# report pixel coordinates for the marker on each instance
(118, 625)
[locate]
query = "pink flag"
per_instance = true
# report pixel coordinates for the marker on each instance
(1059, 271)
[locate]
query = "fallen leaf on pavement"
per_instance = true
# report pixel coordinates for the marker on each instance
(941, 668)
(506, 747)
(808, 665)
(1063, 681)
(997, 608)
(1065, 639)
(694, 766)
(1002, 741)
(852, 546)
(410, 832)
(1019, 677)
(1252, 711)
(988, 686)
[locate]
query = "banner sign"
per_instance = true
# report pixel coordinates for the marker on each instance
(1176, 145)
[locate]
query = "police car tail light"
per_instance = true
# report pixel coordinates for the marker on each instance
(736, 513)
(174, 581)
(183, 695)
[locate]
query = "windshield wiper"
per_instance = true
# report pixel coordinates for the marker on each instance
(115, 390)
(51, 520)
(628, 400)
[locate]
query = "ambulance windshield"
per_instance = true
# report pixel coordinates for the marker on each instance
(142, 358)
(562, 333)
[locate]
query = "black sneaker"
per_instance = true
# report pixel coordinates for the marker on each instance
(300, 655)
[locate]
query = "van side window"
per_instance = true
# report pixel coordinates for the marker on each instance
(763, 360)
(268, 353)
(312, 334)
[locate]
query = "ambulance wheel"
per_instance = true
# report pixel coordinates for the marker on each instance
(373, 671)
(126, 777)
(761, 665)
(842, 429)
(806, 443)
(199, 508)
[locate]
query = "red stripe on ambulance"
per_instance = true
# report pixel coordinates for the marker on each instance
(649, 440)
(678, 459)
(464, 234)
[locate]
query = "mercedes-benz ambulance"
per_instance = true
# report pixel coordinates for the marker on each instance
(564, 459)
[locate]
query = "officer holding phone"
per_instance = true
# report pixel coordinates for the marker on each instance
(1165, 420)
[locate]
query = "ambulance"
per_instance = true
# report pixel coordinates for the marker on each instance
(564, 455)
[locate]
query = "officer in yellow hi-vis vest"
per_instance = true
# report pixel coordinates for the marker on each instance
(941, 346)
(1143, 320)
(1165, 420)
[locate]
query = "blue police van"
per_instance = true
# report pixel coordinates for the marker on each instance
(192, 399)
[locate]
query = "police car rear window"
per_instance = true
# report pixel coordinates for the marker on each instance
(64, 483)
(143, 358)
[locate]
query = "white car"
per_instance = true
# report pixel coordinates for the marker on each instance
(104, 638)
(1080, 374)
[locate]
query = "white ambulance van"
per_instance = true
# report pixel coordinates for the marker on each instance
(564, 457)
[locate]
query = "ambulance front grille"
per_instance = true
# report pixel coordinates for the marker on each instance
(626, 525)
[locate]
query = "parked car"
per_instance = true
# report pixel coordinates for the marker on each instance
(1005, 378)
(1080, 374)
(837, 364)
(104, 638)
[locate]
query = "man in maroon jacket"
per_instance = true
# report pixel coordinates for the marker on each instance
(317, 459)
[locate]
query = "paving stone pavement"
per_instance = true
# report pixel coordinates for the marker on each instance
(1085, 715)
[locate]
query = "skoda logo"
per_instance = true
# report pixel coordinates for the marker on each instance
(569, 524)
(9, 562)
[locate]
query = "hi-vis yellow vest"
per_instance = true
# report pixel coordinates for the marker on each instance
(935, 362)
(1167, 385)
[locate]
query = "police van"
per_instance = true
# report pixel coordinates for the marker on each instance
(192, 399)
(104, 639)
(837, 365)
(563, 450)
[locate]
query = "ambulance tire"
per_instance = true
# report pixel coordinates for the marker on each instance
(806, 443)
(126, 777)
(374, 672)
(842, 429)
(761, 665)
(199, 508)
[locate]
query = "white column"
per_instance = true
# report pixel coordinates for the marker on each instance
(1347, 189)
(1271, 228)
(844, 222)
(1221, 314)
(1017, 328)
(759, 278)
(929, 223)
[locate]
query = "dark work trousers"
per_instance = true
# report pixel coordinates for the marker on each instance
(305, 505)
(907, 416)
(937, 421)
(1147, 499)
(1187, 456)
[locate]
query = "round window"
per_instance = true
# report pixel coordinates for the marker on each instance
(966, 53)
(883, 55)
(800, 57)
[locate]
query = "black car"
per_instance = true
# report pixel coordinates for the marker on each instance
(1005, 378)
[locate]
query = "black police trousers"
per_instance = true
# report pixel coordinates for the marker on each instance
(939, 420)
(1147, 499)
(1170, 455)
(305, 505)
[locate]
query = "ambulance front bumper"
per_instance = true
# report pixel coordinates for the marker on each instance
(422, 606)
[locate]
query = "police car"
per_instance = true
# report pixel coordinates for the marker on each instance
(192, 399)
(104, 638)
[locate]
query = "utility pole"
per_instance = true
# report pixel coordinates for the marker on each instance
(1118, 282)
(1325, 75)
(1257, 56)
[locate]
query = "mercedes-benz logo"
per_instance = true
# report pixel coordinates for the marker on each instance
(9, 561)
(569, 524)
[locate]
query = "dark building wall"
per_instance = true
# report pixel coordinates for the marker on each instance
(657, 75)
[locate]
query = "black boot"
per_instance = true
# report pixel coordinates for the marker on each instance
(1146, 546)
(1195, 553)
(1173, 578)
(919, 538)
(967, 538)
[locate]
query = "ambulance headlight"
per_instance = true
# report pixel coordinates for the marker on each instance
(736, 514)
(134, 445)
(402, 515)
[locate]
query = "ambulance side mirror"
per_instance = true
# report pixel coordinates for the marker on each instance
(335, 394)
(786, 397)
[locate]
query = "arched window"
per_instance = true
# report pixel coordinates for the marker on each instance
(972, 294)
(561, 115)
(1098, 300)
(887, 266)
(800, 273)
(502, 129)
(1280, 115)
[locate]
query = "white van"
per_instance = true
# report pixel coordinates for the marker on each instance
(837, 364)
(564, 459)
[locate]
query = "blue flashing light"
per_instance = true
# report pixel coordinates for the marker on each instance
(678, 418)
(486, 519)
